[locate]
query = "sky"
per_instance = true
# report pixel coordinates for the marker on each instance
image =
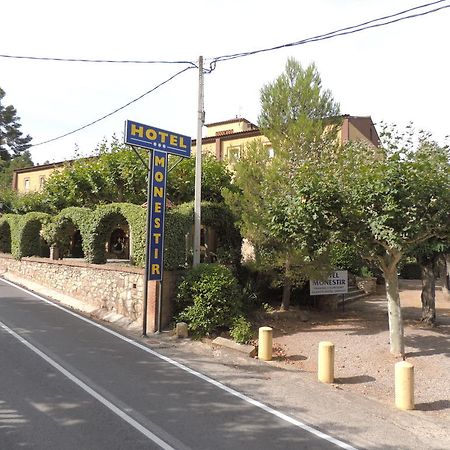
(396, 73)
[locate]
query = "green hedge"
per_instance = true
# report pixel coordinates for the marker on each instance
(5, 232)
(176, 227)
(101, 223)
(229, 239)
(26, 239)
(219, 217)
(60, 230)
(209, 297)
(22, 234)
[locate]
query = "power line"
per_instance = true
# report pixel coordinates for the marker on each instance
(374, 23)
(85, 60)
(340, 32)
(116, 110)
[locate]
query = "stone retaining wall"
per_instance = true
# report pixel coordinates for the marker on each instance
(111, 287)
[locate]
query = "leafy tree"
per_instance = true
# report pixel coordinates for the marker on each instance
(12, 141)
(181, 180)
(446, 274)
(385, 201)
(7, 168)
(405, 205)
(13, 150)
(430, 255)
(298, 117)
(114, 174)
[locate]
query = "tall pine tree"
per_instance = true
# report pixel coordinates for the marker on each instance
(12, 141)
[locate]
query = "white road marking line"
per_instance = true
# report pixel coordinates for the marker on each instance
(218, 384)
(147, 433)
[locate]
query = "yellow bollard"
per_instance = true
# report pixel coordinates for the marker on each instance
(325, 370)
(265, 344)
(404, 385)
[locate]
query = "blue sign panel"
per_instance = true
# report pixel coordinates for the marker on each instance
(157, 212)
(156, 139)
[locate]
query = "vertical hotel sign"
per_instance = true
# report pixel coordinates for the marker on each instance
(162, 143)
(157, 210)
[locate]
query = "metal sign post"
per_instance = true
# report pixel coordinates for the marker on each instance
(161, 143)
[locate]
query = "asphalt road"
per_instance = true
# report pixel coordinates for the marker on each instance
(69, 383)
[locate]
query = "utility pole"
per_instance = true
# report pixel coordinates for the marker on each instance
(198, 165)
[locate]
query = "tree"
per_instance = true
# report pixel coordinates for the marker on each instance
(7, 168)
(12, 141)
(181, 180)
(446, 274)
(114, 174)
(385, 201)
(430, 255)
(298, 117)
(405, 205)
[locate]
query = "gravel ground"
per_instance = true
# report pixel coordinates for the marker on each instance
(363, 363)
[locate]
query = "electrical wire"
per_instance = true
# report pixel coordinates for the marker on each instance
(116, 110)
(85, 60)
(374, 23)
(340, 32)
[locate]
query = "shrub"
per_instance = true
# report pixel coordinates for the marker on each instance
(218, 217)
(26, 239)
(345, 257)
(411, 271)
(60, 230)
(103, 220)
(209, 297)
(177, 225)
(5, 233)
(241, 330)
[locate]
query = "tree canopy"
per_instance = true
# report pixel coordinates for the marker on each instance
(114, 173)
(13, 149)
(298, 117)
(12, 140)
(181, 180)
(384, 201)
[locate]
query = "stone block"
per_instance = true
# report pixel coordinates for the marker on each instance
(249, 350)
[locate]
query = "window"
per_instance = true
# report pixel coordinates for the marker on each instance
(234, 153)
(26, 184)
(270, 151)
(41, 182)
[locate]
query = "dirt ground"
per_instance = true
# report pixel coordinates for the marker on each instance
(363, 363)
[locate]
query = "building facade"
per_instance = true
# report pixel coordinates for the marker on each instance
(32, 179)
(225, 140)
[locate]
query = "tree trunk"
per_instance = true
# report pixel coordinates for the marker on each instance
(394, 310)
(287, 285)
(428, 295)
(446, 276)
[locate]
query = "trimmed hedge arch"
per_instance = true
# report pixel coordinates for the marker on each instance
(5, 232)
(60, 230)
(26, 239)
(100, 224)
(22, 234)
(219, 217)
(177, 225)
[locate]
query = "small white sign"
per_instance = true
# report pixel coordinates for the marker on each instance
(337, 283)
